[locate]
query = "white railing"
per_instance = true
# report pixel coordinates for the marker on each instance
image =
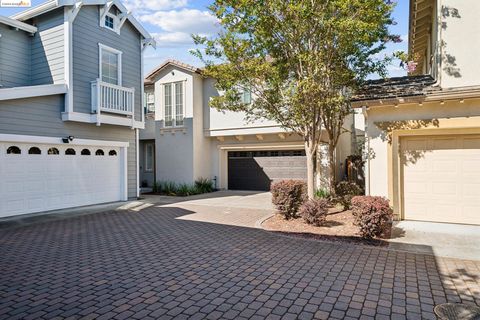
(107, 97)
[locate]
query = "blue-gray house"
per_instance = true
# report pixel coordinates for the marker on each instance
(71, 91)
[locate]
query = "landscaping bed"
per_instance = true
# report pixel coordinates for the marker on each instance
(339, 226)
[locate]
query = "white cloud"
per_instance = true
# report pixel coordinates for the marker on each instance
(172, 39)
(185, 20)
(140, 6)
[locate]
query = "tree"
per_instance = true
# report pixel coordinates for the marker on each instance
(297, 57)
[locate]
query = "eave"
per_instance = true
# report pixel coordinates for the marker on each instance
(32, 91)
(17, 24)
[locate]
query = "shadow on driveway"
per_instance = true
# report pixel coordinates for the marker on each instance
(151, 264)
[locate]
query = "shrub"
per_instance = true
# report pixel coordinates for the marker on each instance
(372, 214)
(345, 191)
(288, 196)
(185, 190)
(322, 194)
(156, 187)
(169, 188)
(314, 211)
(204, 185)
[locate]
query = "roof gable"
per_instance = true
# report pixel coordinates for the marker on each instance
(53, 4)
(171, 62)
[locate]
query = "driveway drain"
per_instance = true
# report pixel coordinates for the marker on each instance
(454, 311)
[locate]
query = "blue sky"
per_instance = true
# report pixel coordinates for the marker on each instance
(173, 21)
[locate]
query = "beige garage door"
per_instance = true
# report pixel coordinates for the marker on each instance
(441, 178)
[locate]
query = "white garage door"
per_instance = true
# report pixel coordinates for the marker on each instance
(42, 177)
(442, 178)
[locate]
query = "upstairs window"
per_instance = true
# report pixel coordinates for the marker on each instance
(149, 102)
(174, 97)
(110, 65)
(246, 96)
(109, 22)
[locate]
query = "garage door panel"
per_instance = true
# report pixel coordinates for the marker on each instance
(258, 169)
(32, 183)
(443, 184)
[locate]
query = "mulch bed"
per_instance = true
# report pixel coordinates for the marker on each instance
(339, 227)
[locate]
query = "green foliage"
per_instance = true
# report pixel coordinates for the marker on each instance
(171, 188)
(314, 211)
(288, 196)
(300, 59)
(204, 185)
(345, 191)
(155, 187)
(322, 194)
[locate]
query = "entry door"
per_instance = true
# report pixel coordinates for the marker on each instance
(441, 178)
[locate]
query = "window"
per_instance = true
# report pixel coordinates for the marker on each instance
(168, 105)
(149, 102)
(53, 151)
(34, 150)
(149, 157)
(110, 65)
(99, 152)
(85, 152)
(112, 153)
(70, 152)
(110, 22)
(246, 96)
(14, 150)
(173, 102)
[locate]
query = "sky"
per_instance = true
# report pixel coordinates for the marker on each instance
(172, 22)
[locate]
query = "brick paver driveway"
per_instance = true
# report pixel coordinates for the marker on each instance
(151, 265)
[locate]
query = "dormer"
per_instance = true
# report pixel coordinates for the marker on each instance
(112, 18)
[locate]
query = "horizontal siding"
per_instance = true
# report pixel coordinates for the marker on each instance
(48, 49)
(15, 52)
(87, 34)
(41, 116)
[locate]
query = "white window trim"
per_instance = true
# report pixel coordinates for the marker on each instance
(148, 111)
(146, 157)
(174, 107)
(119, 53)
(115, 21)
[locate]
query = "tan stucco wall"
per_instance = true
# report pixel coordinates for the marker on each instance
(387, 125)
(460, 42)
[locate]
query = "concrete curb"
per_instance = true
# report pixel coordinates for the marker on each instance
(258, 223)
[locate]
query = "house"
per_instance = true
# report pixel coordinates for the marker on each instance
(424, 130)
(71, 90)
(185, 139)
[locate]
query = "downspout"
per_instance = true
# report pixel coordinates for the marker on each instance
(137, 163)
(367, 143)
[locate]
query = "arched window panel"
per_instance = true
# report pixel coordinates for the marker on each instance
(14, 150)
(34, 150)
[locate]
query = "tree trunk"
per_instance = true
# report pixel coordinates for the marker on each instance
(311, 153)
(332, 174)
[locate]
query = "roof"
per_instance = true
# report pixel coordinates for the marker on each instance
(170, 62)
(391, 88)
(17, 24)
(54, 4)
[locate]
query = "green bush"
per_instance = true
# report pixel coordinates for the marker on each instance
(345, 191)
(314, 211)
(156, 187)
(169, 188)
(185, 190)
(322, 194)
(204, 185)
(372, 214)
(288, 196)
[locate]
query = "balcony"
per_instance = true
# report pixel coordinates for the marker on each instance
(112, 99)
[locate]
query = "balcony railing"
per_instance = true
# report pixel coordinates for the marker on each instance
(111, 98)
